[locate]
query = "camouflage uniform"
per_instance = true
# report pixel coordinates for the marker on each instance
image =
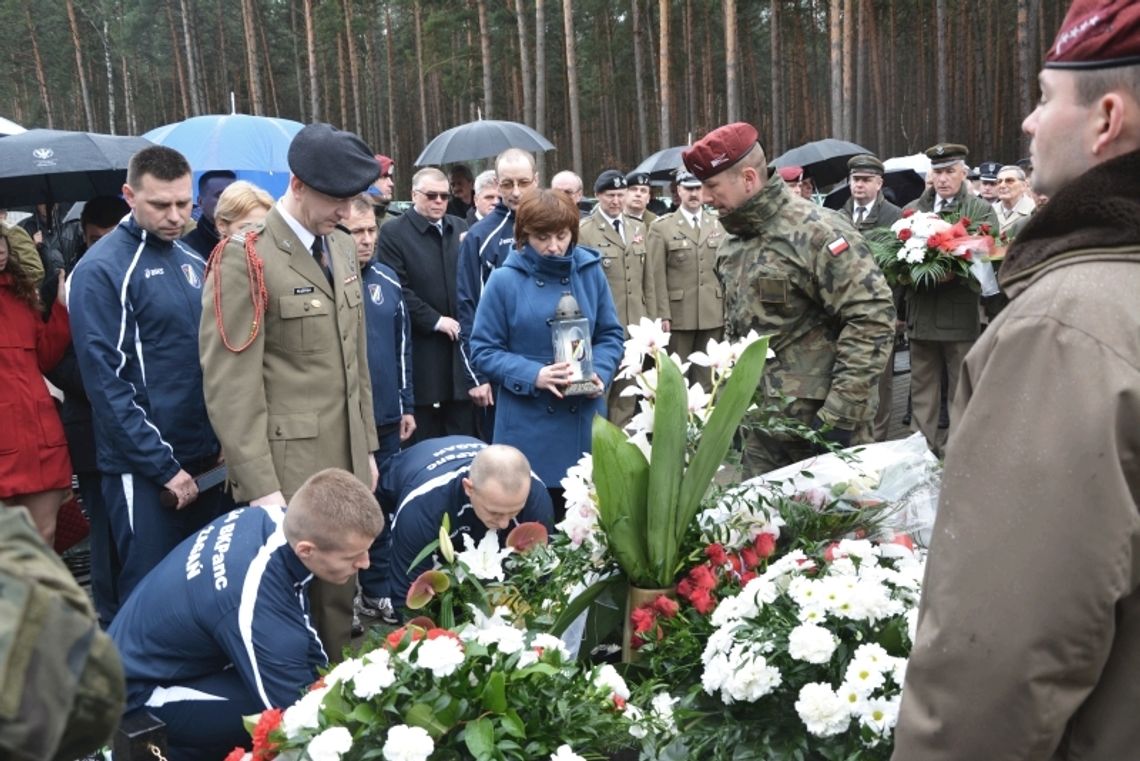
(801, 272)
(61, 682)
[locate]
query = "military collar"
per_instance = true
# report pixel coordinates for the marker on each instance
(754, 214)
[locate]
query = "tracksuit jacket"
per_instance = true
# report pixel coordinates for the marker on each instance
(484, 248)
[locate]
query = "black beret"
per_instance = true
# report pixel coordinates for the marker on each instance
(332, 161)
(864, 163)
(945, 154)
(611, 179)
(637, 178)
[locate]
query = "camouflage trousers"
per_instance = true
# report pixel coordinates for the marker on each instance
(765, 451)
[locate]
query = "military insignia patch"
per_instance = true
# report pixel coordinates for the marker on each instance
(838, 246)
(375, 293)
(191, 276)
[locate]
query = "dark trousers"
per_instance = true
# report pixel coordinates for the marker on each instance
(206, 723)
(455, 418)
(105, 565)
(373, 578)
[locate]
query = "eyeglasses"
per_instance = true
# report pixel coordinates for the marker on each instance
(431, 195)
(509, 185)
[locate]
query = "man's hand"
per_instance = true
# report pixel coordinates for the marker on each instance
(276, 498)
(373, 470)
(183, 487)
(482, 396)
(407, 427)
(838, 436)
(448, 327)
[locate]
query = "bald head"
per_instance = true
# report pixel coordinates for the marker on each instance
(503, 465)
(514, 157)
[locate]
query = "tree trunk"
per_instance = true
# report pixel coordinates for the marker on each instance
(261, 26)
(249, 35)
(191, 66)
(342, 81)
(376, 124)
(311, 47)
(776, 143)
(294, 36)
(485, 50)
(572, 87)
(690, 74)
(128, 98)
(731, 65)
(1024, 74)
(666, 92)
(183, 90)
(41, 79)
(941, 74)
(105, 37)
(88, 112)
(848, 70)
(639, 82)
(391, 58)
(835, 26)
(540, 78)
(353, 67)
(875, 49)
(524, 58)
(416, 15)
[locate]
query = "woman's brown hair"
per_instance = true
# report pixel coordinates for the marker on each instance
(22, 283)
(546, 211)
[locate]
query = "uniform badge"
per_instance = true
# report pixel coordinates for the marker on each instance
(350, 279)
(375, 293)
(191, 276)
(838, 246)
(303, 290)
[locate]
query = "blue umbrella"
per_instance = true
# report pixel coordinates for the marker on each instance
(255, 148)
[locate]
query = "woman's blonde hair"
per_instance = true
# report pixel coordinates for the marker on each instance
(238, 199)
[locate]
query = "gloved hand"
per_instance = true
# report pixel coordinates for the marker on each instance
(838, 436)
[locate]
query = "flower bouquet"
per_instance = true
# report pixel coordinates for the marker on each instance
(923, 249)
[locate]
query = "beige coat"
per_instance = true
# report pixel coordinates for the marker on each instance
(299, 399)
(687, 289)
(1028, 641)
(624, 261)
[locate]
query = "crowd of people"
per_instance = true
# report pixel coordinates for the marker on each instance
(374, 372)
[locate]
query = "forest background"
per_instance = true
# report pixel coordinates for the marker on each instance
(607, 81)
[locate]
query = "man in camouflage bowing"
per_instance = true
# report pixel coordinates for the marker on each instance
(802, 274)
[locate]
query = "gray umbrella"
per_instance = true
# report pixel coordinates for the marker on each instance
(481, 139)
(45, 165)
(663, 164)
(825, 161)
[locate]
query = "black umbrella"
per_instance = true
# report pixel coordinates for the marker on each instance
(900, 186)
(481, 139)
(663, 164)
(825, 161)
(46, 165)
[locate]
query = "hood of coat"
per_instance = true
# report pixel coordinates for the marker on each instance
(531, 262)
(1100, 209)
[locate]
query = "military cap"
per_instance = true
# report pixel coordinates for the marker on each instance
(988, 171)
(864, 163)
(1026, 164)
(945, 154)
(720, 149)
(1097, 34)
(332, 161)
(637, 178)
(686, 179)
(791, 173)
(611, 179)
(387, 165)
(975, 173)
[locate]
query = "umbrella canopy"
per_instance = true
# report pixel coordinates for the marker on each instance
(481, 139)
(9, 127)
(45, 166)
(900, 186)
(662, 165)
(255, 148)
(825, 161)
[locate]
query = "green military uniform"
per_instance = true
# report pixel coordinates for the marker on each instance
(22, 249)
(631, 280)
(942, 323)
(299, 398)
(802, 274)
(647, 218)
(62, 682)
(688, 292)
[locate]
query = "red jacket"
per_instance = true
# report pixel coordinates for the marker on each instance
(33, 450)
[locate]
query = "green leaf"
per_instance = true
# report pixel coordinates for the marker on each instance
(670, 421)
(479, 736)
(621, 475)
(425, 553)
(495, 693)
(422, 715)
(363, 713)
(513, 724)
(716, 438)
(579, 604)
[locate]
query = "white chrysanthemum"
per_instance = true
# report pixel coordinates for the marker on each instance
(304, 714)
(485, 559)
(442, 656)
(329, 745)
(851, 697)
(343, 671)
(720, 642)
(405, 743)
(732, 609)
(716, 673)
(864, 676)
(868, 601)
(608, 679)
(548, 643)
(372, 679)
(876, 654)
(880, 715)
(821, 710)
(811, 643)
(661, 709)
(565, 752)
(859, 548)
(898, 672)
(751, 680)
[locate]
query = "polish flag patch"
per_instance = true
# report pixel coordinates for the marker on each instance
(838, 246)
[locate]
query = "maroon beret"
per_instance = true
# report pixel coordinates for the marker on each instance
(791, 173)
(1097, 34)
(385, 163)
(720, 149)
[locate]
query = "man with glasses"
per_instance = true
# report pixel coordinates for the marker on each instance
(1014, 205)
(422, 246)
(484, 248)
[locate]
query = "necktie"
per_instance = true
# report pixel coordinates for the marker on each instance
(319, 256)
(617, 226)
(859, 212)
(695, 221)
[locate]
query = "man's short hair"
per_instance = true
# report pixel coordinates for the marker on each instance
(427, 173)
(1018, 171)
(161, 163)
(103, 212)
(505, 465)
(755, 159)
(212, 174)
(1091, 84)
(362, 203)
(513, 156)
(331, 505)
(567, 173)
(462, 170)
(486, 180)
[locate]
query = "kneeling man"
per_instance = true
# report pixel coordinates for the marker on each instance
(220, 628)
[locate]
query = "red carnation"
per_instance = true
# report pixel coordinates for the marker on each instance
(765, 545)
(264, 748)
(643, 619)
(237, 754)
(317, 685)
(437, 633)
(703, 601)
(832, 552)
(685, 587)
(703, 577)
(985, 228)
(715, 552)
(907, 213)
(747, 577)
(903, 539)
(665, 606)
(619, 702)
(965, 221)
(751, 559)
(905, 234)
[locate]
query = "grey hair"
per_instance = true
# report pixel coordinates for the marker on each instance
(1015, 169)
(485, 180)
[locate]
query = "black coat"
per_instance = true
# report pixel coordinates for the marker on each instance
(426, 266)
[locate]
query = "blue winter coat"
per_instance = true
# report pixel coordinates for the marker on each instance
(511, 342)
(389, 344)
